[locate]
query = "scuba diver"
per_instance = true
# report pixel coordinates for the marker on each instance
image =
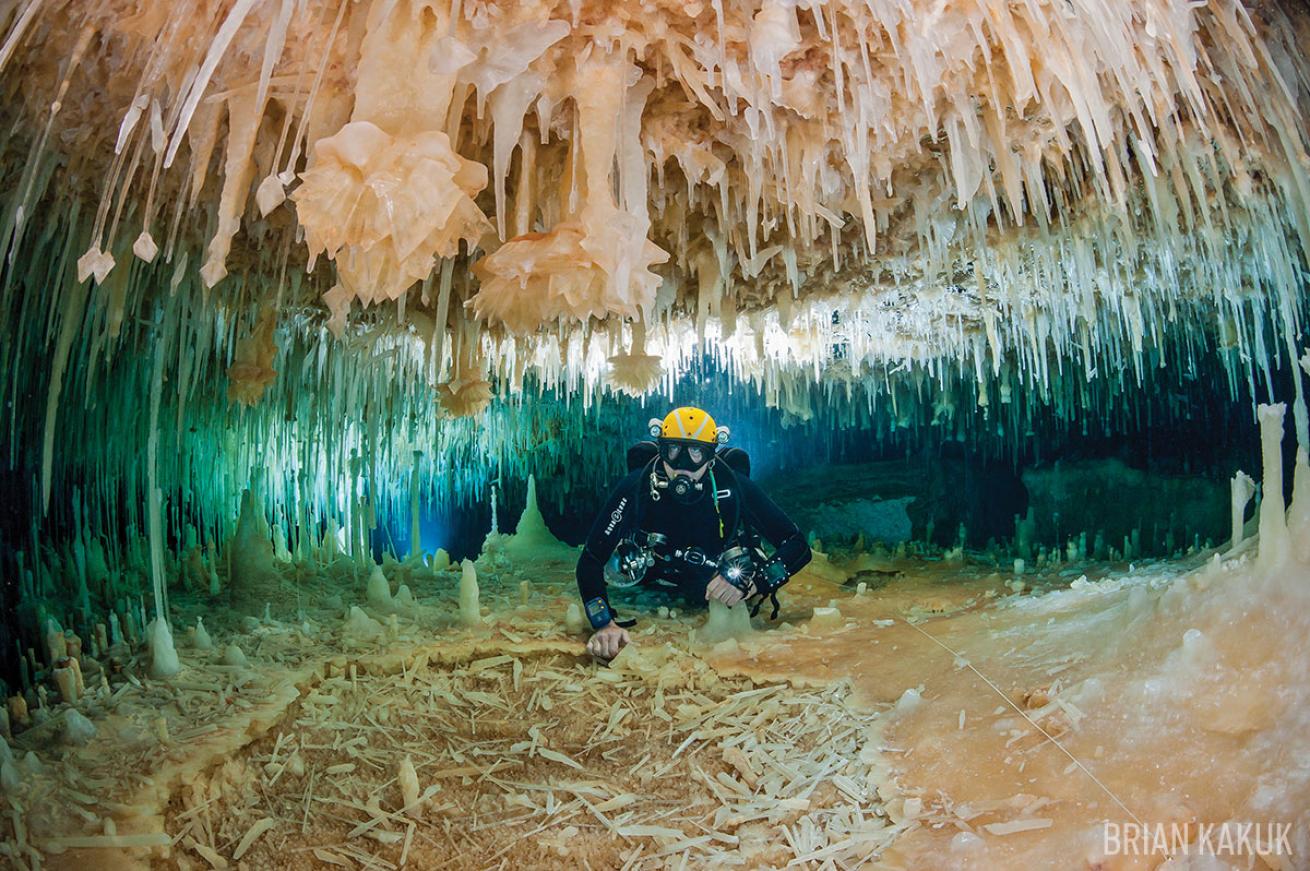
(686, 518)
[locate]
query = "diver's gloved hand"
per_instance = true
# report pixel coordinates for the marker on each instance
(608, 640)
(720, 590)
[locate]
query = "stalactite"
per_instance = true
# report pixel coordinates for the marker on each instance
(1014, 221)
(252, 371)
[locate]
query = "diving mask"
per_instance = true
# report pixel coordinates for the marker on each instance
(685, 456)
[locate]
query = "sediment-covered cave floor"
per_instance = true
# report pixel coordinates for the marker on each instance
(844, 740)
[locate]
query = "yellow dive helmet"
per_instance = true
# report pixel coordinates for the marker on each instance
(686, 424)
(687, 437)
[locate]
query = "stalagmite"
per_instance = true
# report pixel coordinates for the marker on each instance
(77, 728)
(18, 713)
(361, 627)
(1274, 541)
(379, 591)
(531, 538)
(201, 639)
(163, 655)
(251, 555)
(280, 551)
(11, 782)
(469, 612)
(574, 623)
(1243, 488)
(723, 623)
(66, 682)
(234, 656)
(56, 642)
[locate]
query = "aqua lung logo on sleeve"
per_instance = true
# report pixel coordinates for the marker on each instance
(616, 515)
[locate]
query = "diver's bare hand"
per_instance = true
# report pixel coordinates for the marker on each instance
(608, 641)
(722, 591)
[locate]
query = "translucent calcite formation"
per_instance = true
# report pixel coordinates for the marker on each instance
(283, 245)
(252, 371)
(988, 173)
(597, 261)
(490, 200)
(384, 207)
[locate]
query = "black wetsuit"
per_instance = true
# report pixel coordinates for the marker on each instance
(742, 507)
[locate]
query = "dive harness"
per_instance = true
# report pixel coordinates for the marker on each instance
(743, 565)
